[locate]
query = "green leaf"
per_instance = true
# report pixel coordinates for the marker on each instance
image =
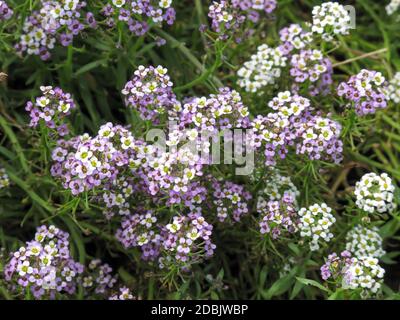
(313, 283)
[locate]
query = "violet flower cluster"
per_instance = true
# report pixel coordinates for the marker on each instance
(277, 217)
(98, 279)
(350, 273)
(44, 265)
(5, 11)
(230, 200)
(55, 21)
(185, 240)
(293, 124)
(83, 163)
(311, 67)
(139, 15)
(51, 108)
(227, 16)
(365, 91)
(150, 93)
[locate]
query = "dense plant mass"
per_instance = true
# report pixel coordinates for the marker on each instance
(199, 149)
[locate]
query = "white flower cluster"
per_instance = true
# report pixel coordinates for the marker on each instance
(262, 69)
(393, 90)
(392, 7)
(279, 185)
(362, 241)
(375, 193)
(4, 180)
(315, 223)
(330, 17)
(366, 273)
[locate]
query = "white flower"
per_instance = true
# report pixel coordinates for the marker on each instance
(315, 223)
(375, 193)
(118, 3)
(362, 241)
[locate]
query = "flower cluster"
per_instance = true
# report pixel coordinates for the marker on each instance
(392, 7)
(61, 20)
(366, 90)
(227, 16)
(98, 278)
(262, 69)
(84, 163)
(277, 216)
(279, 186)
(354, 273)
(293, 38)
(224, 110)
(293, 124)
(150, 92)
(320, 138)
(150, 12)
(312, 67)
(375, 193)
(5, 11)
(44, 265)
(52, 107)
(123, 294)
(393, 89)
(4, 180)
(141, 230)
(315, 223)
(230, 200)
(330, 18)
(335, 266)
(362, 241)
(188, 239)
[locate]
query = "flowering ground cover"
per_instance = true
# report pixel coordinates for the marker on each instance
(192, 149)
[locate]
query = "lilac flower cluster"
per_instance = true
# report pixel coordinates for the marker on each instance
(311, 67)
(84, 163)
(227, 16)
(224, 110)
(186, 239)
(277, 216)
(140, 230)
(139, 15)
(98, 279)
(293, 124)
(320, 138)
(366, 90)
(150, 92)
(230, 200)
(352, 273)
(294, 38)
(52, 107)
(55, 20)
(44, 265)
(5, 11)
(335, 265)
